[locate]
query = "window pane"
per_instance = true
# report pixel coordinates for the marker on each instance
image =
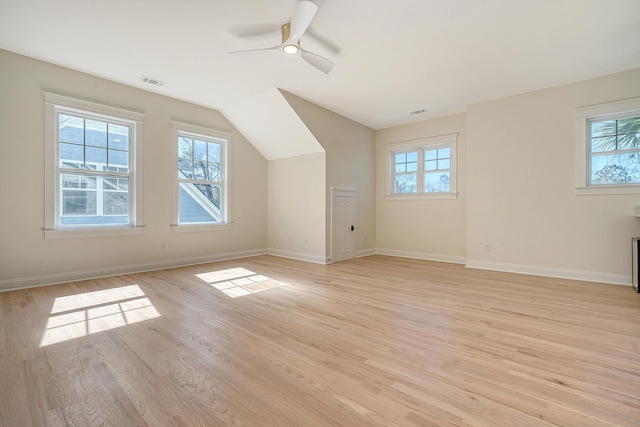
(631, 125)
(78, 181)
(430, 165)
(444, 164)
(185, 168)
(401, 158)
(119, 159)
(96, 133)
(116, 203)
(444, 153)
(200, 170)
(71, 129)
(214, 152)
(412, 156)
(430, 154)
(199, 150)
(412, 167)
(405, 183)
(96, 158)
(71, 156)
(402, 167)
(119, 137)
(184, 147)
(628, 141)
(116, 184)
(436, 182)
(615, 168)
(603, 128)
(214, 172)
(198, 203)
(605, 143)
(78, 202)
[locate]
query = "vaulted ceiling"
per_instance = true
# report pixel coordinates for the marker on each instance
(391, 57)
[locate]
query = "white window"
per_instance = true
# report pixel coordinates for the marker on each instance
(93, 169)
(608, 147)
(424, 168)
(200, 193)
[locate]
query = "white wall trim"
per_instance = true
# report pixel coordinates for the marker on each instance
(52, 279)
(421, 255)
(365, 252)
(297, 256)
(562, 273)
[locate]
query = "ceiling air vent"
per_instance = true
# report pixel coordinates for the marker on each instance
(152, 81)
(416, 112)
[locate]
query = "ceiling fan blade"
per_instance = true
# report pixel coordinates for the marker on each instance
(256, 50)
(303, 14)
(317, 61)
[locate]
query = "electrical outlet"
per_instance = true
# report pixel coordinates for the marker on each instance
(487, 247)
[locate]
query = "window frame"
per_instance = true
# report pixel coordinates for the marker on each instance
(584, 117)
(207, 134)
(420, 146)
(57, 104)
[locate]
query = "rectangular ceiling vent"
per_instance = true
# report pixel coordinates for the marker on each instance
(152, 81)
(413, 113)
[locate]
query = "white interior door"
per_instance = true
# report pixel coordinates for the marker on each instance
(343, 224)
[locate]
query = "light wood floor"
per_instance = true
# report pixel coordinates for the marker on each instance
(370, 342)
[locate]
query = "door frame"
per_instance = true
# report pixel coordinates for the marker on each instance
(342, 192)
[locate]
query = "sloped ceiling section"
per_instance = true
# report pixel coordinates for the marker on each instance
(272, 126)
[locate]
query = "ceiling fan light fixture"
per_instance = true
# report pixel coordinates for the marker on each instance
(290, 49)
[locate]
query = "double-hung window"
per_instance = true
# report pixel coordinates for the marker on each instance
(425, 168)
(93, 168)
(608, 138)
(200, 193)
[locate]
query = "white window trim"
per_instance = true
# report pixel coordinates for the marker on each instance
(51, 103)
(583, 115)
(193, 130)
(423, 144)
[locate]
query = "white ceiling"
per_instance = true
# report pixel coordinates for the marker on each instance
(391, 57)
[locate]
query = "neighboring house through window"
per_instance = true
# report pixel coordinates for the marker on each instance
(93, 168)
(424, 168)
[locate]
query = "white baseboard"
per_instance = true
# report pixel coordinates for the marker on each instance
(422, 255)
(52, 279)
(589, 276)
(297, 255)
(365, 252)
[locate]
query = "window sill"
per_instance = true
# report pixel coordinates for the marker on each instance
(422, 196)
(75, 233)
(191, 228)
(607, 189)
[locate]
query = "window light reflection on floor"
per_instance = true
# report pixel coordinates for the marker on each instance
(238, 282)
(75, 316)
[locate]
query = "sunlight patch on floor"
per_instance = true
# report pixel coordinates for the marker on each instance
(238, 282)
(75, 316)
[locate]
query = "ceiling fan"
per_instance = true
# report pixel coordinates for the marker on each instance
(292, 32)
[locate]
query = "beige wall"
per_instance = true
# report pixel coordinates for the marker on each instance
(521, 179)
(25, 254)
(350, 164)
(296, 207)
(429, 229)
